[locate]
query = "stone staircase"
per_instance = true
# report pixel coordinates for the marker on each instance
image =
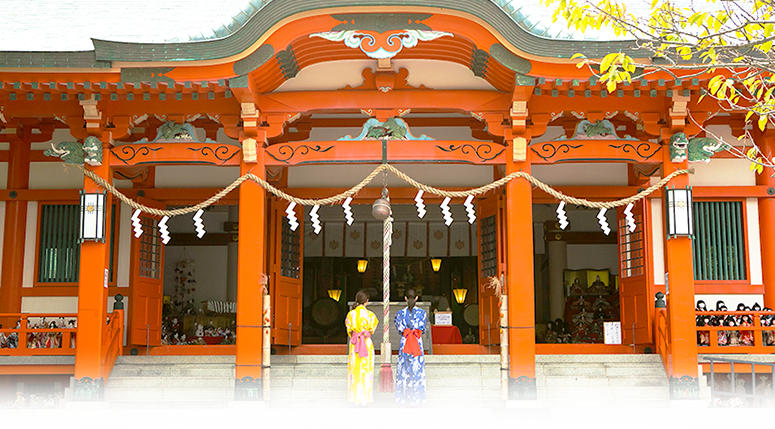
(171, 381)
(598, 381)
(455, 381)
(451, 380)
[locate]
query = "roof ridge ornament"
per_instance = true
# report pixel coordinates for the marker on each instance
(381, 45)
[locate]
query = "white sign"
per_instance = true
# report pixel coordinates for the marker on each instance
(612, 332)
(443, 318)
(105, 279)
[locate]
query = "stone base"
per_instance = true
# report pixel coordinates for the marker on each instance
(91, 405)
(88, 389)
(522, 388)
(524, 404)
(248, 389)
(683, 404)
(246, 405)
(684, 388)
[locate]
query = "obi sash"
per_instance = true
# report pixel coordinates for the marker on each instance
(359, 341)
(412, 346)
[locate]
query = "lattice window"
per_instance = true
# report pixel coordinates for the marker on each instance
(150, 249)
(58, 251)
(631, 253)
(488, 247)
(719, 241)
(290, 252)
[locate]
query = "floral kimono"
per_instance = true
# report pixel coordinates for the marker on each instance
(360, 324)
(410, 371)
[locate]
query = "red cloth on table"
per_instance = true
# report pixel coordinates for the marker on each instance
(446, 335)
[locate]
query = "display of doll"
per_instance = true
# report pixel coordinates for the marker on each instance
(20, 401)
(598, 287)
(576, 288)
(746, 337)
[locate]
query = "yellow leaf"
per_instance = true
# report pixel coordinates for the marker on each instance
(762, 122)
(766, 46)
(751, 152)
(611, 86)
(577, 55)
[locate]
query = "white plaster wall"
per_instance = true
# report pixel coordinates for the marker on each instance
(754, 244)
(195, 176)
(125, 238)
(433, 74)
(582, 174)
(50, 304)
(315, 176)
(223, 138)
(54, 175)
(550, 134)
(30, 240)
(731, 301)
(722, 172)
(657, 241)
(3, 175)
(210, 264)
(593, 256)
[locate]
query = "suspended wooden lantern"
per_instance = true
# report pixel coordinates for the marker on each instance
(436, 265)
(362, 264)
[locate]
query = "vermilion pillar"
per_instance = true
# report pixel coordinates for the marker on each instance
(766, 142)
(250, 267)
(15, 226)
(520, 289)
(679, 266)
(92, 298)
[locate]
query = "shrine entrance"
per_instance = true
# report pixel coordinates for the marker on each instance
(438, 261)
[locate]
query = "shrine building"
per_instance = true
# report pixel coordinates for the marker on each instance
(598, 219)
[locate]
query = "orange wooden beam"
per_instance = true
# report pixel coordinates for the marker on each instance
(446, 100)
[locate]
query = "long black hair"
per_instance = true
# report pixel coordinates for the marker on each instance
(411, 298)
(361, 297)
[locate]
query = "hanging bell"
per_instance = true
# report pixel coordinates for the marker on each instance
(381, 207)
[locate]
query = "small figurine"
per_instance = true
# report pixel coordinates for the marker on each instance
(199, 330)
(598, 287)
(20, 402)
(575, 288)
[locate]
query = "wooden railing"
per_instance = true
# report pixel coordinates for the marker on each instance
(712, 334)
(114, 341)
(35, 337)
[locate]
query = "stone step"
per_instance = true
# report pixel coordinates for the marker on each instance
(169, 360)
(276, 403)
(604, 392)
(168, 404)
(609, 359)
(165, 394)
(164, 382)
(174, 370)
(645, 381)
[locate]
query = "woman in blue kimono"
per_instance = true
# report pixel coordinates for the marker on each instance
(410, 372)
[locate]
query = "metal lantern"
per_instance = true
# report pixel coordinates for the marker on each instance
(460, 295)
(680, 214)
(381, 207)
(436, 265)
(335, 294)
(362, 264)
(93, 216)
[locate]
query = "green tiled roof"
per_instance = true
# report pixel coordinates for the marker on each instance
(152, 31)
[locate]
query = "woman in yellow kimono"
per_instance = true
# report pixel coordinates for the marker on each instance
(360, 323)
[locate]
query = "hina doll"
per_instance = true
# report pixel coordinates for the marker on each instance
(360, 324)
(734, 336)
(410, 370)
(551, 334)
(703, 337)
(746, 337)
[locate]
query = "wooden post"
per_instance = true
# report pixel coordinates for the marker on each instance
(250, 267)
(15, 226)
(92, 298)
(682, 373)
(766, 142)
(519, 278)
